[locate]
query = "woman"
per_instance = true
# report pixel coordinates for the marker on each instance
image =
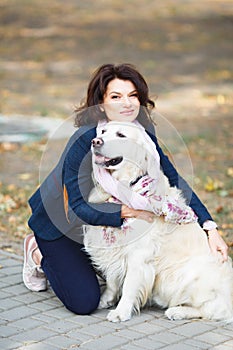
(60, 206)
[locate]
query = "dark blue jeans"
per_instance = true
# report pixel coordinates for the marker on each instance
(70, 273)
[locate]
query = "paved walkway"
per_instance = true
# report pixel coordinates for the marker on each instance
(38, 321)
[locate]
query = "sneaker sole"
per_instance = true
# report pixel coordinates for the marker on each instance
(28, 284)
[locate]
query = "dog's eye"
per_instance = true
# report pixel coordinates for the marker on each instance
(103, 131)
(119, 134)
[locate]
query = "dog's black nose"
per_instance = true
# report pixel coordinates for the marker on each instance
(97, 142)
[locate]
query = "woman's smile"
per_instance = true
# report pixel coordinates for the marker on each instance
(127, 112)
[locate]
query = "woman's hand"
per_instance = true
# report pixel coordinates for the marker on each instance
(127, 212)
(217, 244)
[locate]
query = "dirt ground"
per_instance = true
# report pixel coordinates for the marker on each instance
(183, 48)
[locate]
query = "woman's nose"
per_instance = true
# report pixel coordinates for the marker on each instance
(127, 101)
(97, 142)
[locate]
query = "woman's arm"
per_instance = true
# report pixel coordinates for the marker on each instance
(77, 180)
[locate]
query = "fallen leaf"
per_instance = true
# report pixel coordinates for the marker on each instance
(225, 226)
(8, 146)
(9, 250)
(223, 193)
(11, 187)
(219, 209)
(230, 171)
(25, 176)
(12, 219)
(212, 184)
(221, 232)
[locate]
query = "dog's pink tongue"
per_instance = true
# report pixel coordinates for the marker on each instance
(100, 159)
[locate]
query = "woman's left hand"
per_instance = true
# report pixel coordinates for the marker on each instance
(217, 244)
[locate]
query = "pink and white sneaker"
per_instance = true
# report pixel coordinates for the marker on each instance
(33, 276)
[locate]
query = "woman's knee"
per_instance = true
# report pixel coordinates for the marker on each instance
(83, 304)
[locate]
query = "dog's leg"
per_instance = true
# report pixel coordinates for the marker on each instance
(137, 287)
(182, 312)
(109, 296)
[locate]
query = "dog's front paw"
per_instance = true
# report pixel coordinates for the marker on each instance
(107, 299)
(175, 313)
(116, 316)
(105, 304)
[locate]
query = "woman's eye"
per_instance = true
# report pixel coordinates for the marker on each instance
(134, 95)
(114, 97)
(119, 134)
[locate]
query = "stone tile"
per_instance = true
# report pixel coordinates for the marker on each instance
(107, 342)
(80, 337)
(62, 342)
(17, 313)
(9, 303)
(96, 330)
(16, 289)
(192, 329)
(213, 338)
(26, 323)
(147, 343)
(145, 328)
(12, 270)
(167, 337)
(3, 294)
(34, 335)
(84, 320)
(12, 280)
(8, 330)
(221, 347)
(180, 346)
(38, 346)
(61, 326)
(44, 318)
(130, 347)
(34, 297)
(7, 344)
(196, 343)
(59, 312)
(129, 334)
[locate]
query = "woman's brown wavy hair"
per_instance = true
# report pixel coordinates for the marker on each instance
(85, 115)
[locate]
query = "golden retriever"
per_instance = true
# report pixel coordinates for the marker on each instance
(158, 263)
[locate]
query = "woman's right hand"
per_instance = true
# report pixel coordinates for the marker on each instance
(127, 213)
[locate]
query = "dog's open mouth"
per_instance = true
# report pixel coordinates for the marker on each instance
(105, 161)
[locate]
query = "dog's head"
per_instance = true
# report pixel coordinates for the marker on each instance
(121, 145)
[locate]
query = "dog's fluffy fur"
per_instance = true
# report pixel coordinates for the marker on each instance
(168, 265)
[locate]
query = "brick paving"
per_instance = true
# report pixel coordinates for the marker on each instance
(38, 321)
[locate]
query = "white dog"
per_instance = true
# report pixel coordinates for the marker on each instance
(161, 263)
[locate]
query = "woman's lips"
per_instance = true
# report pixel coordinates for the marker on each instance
(127, 112)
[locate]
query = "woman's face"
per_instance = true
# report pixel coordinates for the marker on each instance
(121, 101)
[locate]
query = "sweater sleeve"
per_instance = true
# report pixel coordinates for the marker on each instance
(77, 179)
(176, 180)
